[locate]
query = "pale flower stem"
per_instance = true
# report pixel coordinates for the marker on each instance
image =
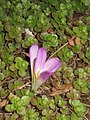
(35, 86)
(59, 49)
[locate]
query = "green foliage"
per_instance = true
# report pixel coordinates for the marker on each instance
(73, 94)
(65, 54)
(31, 114)
(2, 76)
(29, 40)
(52, 2)
(31, 21)
(75, 117)
(62, 103)
(78, 107)
(18, 104)
(62, 117)
(81, 73)
(43, 21)
(11, 47)
(68, 72)
(3, 93)
(17, 84)
(52, 22)
(51, 40)
(42, 103)
(7, 72)
(2, 64)
(88, 53)
(86, 2)
(1, 39)
(1, 26)
(81, 29)
(13, 31)
(7, 57)
(21, 65)
(76, 48)
(81, 85)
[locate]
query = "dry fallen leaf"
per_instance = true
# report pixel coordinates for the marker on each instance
(54, 76)
(49, 31)
(29, 32)
(77, 40)
(71, 42)
(63, 89)
(3, 103)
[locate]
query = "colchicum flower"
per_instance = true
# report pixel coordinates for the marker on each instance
(41, 69)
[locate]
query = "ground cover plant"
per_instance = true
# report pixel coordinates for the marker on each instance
(31, 88)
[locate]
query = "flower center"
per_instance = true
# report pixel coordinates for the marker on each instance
(38, 74)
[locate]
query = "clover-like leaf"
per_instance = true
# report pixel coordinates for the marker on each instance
(26, 100)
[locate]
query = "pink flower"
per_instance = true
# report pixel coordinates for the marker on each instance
(41, 68)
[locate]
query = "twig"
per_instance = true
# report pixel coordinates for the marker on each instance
(62, 46)
(12, 80)
(23, 86)
(28, 83)
(59, 49)
(86, 105)
(3, 81)
(6, 113)
(85, 118)
(27, 54)
(21, 79)
(52, 54)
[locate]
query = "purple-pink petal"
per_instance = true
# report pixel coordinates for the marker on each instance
(40, 60)
(52, 65)
(33, 54)
(44, 76)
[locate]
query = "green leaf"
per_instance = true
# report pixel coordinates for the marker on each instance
(2, 76)
(17, 84)
(26, 100)
(8, 108)
(24, 64)
(21, 111)
(7, 72)
(85, 90)
(53, 2)
(18, 61)
(88, 53)
(75, 103)
(22, 72)
(75, 117)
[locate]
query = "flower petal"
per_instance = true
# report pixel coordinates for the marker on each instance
(40, 61)
(33, 55)
(52, 65)
(44, 76)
